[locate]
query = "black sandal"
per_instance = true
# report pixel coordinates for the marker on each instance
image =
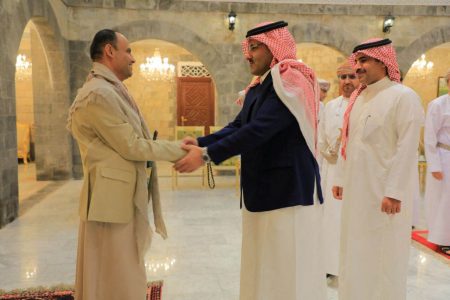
(445, 250)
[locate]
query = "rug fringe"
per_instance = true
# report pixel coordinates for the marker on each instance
(61, 287)
(40, 289)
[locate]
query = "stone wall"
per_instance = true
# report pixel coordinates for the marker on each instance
(200, 27)
(14, 15)
(51, 100)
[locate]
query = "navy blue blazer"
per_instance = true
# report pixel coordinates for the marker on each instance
(277, 168)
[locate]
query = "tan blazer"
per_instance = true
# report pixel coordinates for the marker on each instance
(114, 152)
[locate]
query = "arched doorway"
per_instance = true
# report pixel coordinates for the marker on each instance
(227, 74)
(52, 164)
(25, 118)
(424, 76)
(43, 144)
(159, 100)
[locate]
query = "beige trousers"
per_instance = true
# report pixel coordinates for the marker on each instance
(108, 266)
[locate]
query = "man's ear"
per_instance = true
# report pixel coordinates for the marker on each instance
(108, 50)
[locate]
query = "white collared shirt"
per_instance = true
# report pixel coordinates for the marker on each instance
(263, 76)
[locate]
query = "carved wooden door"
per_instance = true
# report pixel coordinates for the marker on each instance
(195, 102)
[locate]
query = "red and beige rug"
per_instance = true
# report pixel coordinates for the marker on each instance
(420, 236)
(154, 290)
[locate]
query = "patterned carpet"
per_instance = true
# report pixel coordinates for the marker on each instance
(154, 292)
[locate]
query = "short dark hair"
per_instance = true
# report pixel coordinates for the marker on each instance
(101, 39)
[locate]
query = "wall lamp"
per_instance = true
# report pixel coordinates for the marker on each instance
(388, 23)
(231, 20)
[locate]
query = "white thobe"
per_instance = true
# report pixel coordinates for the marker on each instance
(329, 131)
(381, 161)
(319, 157)
(282, 254)
(437, 193)
(416, 201)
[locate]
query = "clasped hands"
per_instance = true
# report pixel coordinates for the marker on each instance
(389, 205)
(193, 159)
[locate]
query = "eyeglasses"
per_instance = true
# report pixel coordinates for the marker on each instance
(345, 76)
(253, 47)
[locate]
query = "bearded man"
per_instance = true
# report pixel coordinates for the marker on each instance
(376, 177)
(276, 135)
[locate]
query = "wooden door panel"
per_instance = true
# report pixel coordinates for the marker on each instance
(195, 102)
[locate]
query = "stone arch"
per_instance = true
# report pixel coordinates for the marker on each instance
(53, 143)
(184, 37)
(176, 34)
(341, 40)
(15, 15)
(222, 69)
(324, 60)
(436, 36)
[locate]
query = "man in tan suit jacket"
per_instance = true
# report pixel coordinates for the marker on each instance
(115, 145)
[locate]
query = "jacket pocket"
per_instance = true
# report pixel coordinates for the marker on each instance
(116, 174)
(112, 196)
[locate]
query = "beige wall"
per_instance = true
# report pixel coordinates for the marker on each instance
(24, 103)
(24, 87)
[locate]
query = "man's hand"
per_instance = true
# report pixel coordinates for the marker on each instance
(391, 206)
(437, 175)
(337, 192)
(192, 161)
(189, 140)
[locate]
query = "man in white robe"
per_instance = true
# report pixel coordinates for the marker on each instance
(437, 151)
(276, 135)
(375, 177)
(330, 128)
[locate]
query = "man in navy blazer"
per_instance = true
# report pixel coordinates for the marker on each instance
(278, 170)
(280, 176)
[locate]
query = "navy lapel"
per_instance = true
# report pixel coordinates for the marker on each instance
(255, 98)
(249, 102)
(261, 95)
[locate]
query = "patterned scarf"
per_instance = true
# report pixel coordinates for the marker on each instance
(298, 79)
(122, 90)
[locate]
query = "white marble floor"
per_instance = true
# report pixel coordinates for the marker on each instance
(200, 260)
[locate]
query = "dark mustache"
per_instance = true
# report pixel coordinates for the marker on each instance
(360, 71)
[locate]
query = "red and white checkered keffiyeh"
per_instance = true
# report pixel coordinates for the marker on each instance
(386, 54)
(298, 80)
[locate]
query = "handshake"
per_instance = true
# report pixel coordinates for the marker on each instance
(193, 159)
